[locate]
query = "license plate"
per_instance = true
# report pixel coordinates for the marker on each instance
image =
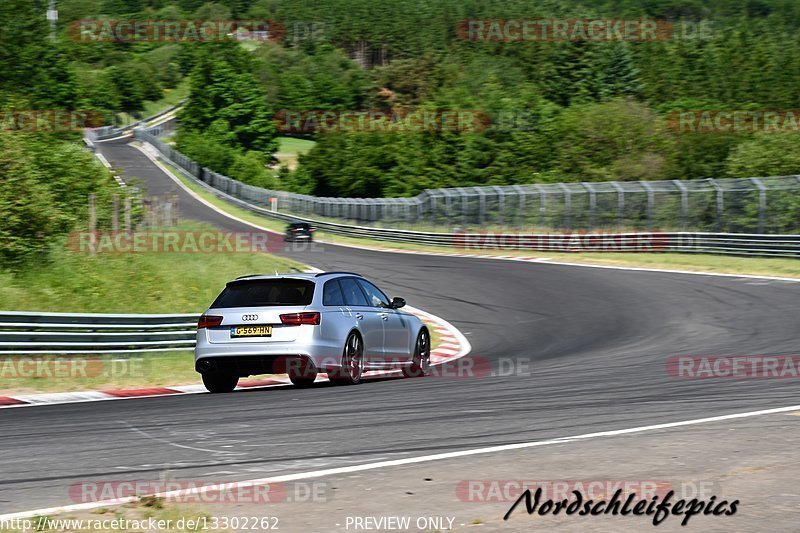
(251, 331)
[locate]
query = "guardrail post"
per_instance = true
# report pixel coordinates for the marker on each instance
(592, 202)
(684, 201)
(620, 203)
(650, 202)
(567, 204)
(762, 203)
(464, 205)
(520, 205)
(542, 205)
(720, 202)
(501, 204)
(481, 205)
(448, 206)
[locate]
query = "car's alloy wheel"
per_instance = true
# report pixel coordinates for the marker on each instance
(421, 361)
(352, 362)
(219, 382)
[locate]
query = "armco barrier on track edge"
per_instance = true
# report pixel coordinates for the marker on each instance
(452, 345)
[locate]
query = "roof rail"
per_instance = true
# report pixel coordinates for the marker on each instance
(337, 272)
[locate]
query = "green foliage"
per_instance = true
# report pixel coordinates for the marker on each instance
(619, 140)
(132, 283)
(44, 188)
(321, 79)
(766, 154)
(251, 168)
(223, 88)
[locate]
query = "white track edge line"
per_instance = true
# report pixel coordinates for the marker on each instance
(395, 462)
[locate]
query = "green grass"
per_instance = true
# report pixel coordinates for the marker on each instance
(289, 148)
(108, 372)
(173, 282)
(691, 262)
(293, 145)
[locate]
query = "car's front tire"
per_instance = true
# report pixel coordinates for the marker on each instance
(216, 382)
(352, 364)
(421, 360)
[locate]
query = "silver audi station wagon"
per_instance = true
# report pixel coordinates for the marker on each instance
(304, 324)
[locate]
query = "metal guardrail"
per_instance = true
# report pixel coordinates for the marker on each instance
(24, 332)
(742, 205)
(240, 194)
(109, 132)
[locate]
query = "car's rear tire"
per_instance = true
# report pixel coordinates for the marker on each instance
(421, 360)
(219, 382)
(303, 373)
(352, 364)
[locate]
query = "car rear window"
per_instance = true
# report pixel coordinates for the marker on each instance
(265, 292)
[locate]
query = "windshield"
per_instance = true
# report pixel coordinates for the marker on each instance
(265, 292)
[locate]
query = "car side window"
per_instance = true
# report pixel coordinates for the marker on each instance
(332, 293)
(353, 295)
(376, 297)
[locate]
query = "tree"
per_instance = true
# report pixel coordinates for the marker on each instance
(222, 87)
(619, 77)
(616, 140)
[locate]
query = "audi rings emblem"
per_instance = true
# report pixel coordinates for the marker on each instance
(250, 317)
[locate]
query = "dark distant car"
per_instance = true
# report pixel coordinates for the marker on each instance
(299, 231)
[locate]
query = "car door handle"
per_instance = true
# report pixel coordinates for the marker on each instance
(384, 316)
(359, 316)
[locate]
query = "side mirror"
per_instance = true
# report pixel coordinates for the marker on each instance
(397, 303)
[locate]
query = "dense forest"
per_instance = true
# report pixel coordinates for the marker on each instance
(560, 111)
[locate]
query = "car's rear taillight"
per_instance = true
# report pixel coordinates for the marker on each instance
(207, 321)
(300, 319)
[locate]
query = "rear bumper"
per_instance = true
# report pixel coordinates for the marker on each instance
(297, 238)
(248, 359)
(249, 365)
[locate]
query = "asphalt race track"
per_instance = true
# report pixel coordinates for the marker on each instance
(593, 344)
